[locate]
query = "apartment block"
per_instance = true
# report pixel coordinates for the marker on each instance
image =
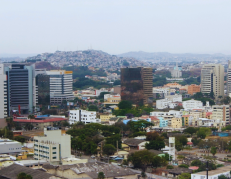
(193, 88)
(3, 93)
(221, 112)
(83, 116)
(229, 79)
(53, 146)
(212, 79)
(192, 104)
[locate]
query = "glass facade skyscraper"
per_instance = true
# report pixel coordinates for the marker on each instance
(136, 85)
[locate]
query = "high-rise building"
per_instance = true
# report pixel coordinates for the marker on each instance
(212, 79)
(22, 90)
(61, 86)
(229, 79)
(43, 84)
(3, 93)
(136, 85)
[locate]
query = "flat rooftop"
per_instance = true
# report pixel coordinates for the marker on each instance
(215, 172)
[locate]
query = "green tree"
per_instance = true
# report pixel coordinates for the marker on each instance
(155, 145)
(101, 175)
(222, 177)
(182, 139)
(20, 139)
(169, 167)
(156, 162)
(92, 108)
(183, 166)
(109, 149)
(196, 163)
(185, 176)
(203, 132)
(190, 130)
(213, 151)
(125, 105)
(178, 145)
(141, 159)
(23, 175)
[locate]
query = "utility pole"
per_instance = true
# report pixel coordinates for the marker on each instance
(207, 170)
(117, 146)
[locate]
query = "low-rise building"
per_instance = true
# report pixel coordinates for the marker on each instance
(193, 88)
(221, 112)
(13, 170)
(163, 122)
(106, 117)
(52, 146)
(187, 120)
(83, 116)
(213, 174)
(8, 146)
(90, 171)
(138, 144)
(176, 123)
(5, 161)
(192, 104)
(112, 99)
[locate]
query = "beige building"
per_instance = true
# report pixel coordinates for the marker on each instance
(112, 99)
(221, 112)
(53, 146)
(176, 123)
(229, 79)
(106, 117)
(212, 79)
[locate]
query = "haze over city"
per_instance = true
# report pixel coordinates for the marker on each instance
(123, 89)
(179, 26)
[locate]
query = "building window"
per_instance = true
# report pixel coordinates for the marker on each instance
(54, 157)
(53, 152)
(54, 148)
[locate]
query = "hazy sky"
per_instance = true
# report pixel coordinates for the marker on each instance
(115, 26)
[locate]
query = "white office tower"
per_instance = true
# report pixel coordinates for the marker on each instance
(172, 147)
(3, 93)
(212, 79)
(60, 86)
(229, 79)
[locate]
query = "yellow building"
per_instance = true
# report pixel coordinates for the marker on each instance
(185, 120)
(5, 161)
(176, 123)
(106, 117)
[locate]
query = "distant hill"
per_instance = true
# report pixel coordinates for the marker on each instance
(45, 65)
(140, 55)
(90, 58)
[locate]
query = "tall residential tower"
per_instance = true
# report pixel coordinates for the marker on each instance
(212, 79)
(229, 79)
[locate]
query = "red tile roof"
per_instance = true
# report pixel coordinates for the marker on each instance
(40, 121)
